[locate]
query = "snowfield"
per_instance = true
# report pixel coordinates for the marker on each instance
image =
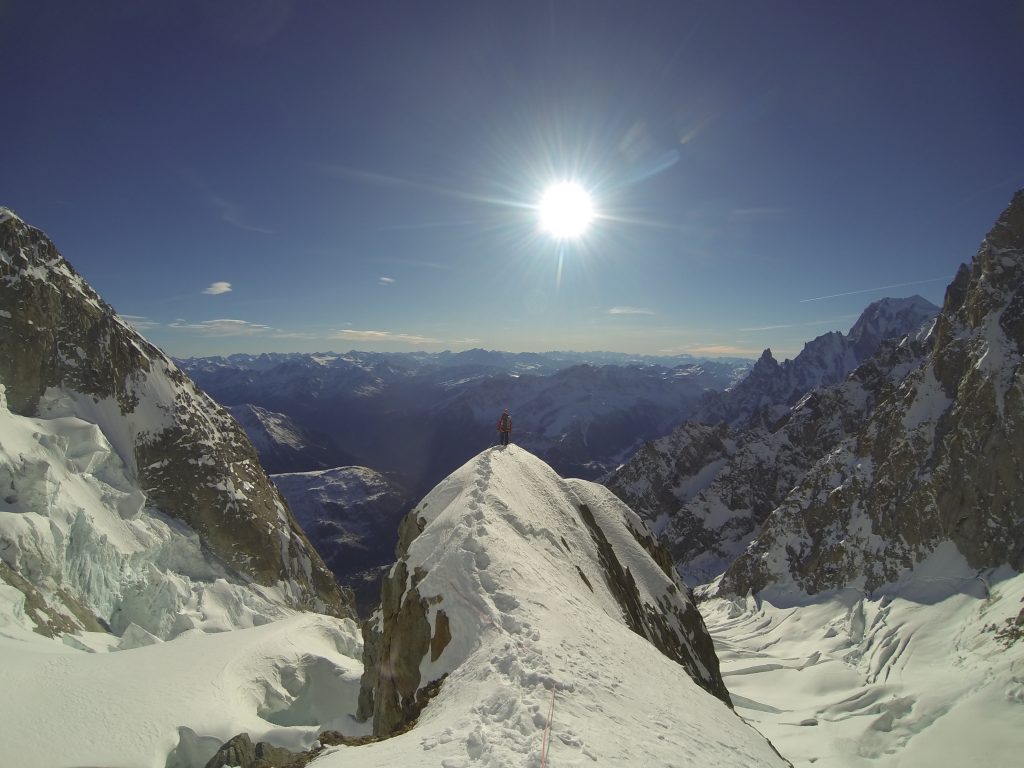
(172, 704)
(916, 675)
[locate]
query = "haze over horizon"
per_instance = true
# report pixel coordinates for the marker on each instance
(279, 176)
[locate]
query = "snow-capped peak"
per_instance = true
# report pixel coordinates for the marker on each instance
(7, 213)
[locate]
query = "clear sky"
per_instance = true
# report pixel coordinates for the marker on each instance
(275, 175)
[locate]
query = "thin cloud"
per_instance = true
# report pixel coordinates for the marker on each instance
(796, 325)
(416, 263)
(139, 323)
(715, 350)
(215, 289)
(351, 334)
(224, 327)
(631, 311)
(235, 215)
(386, 281)
(872, 290)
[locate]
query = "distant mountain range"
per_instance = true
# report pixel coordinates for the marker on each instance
(420, 414)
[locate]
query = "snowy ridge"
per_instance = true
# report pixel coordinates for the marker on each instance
(519, 607)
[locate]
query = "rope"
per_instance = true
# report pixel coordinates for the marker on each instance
(547, 730)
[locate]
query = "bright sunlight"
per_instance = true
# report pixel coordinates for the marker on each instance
(565, 210)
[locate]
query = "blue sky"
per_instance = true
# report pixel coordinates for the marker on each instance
(274, 175)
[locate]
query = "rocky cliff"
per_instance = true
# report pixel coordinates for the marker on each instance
(939, 459)
(65, 354)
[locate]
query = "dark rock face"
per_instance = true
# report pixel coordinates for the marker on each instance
(58, 339)
(396, 639)
(939, 459)
(240, 752)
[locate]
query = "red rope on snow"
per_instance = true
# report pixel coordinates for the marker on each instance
(547, 730)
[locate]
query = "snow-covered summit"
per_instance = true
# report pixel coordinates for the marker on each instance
(888, 319)
(518, 592)
(7, 213)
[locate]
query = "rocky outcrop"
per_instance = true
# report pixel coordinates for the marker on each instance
(659, 623)
(64, 351)
(395, 641)
(940, 458)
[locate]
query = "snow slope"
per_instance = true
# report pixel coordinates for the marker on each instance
(172, 704)
(921, 674)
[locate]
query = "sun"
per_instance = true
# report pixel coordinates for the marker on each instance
(566, 210)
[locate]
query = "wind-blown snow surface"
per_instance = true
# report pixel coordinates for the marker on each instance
(919, 674)
(172, 704)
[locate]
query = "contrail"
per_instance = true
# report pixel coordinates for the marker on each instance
(870, 290)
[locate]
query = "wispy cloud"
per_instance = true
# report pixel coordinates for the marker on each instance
(224, 327)
(235, 215)
(714, 350)
(631, 311)
(386, 281)
(351, 334)
(781, 326)
(139, 323)
(416, 263)
(384, 180)
(879, 288)
(215, 289)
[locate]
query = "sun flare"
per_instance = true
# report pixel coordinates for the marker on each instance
(566, 210)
